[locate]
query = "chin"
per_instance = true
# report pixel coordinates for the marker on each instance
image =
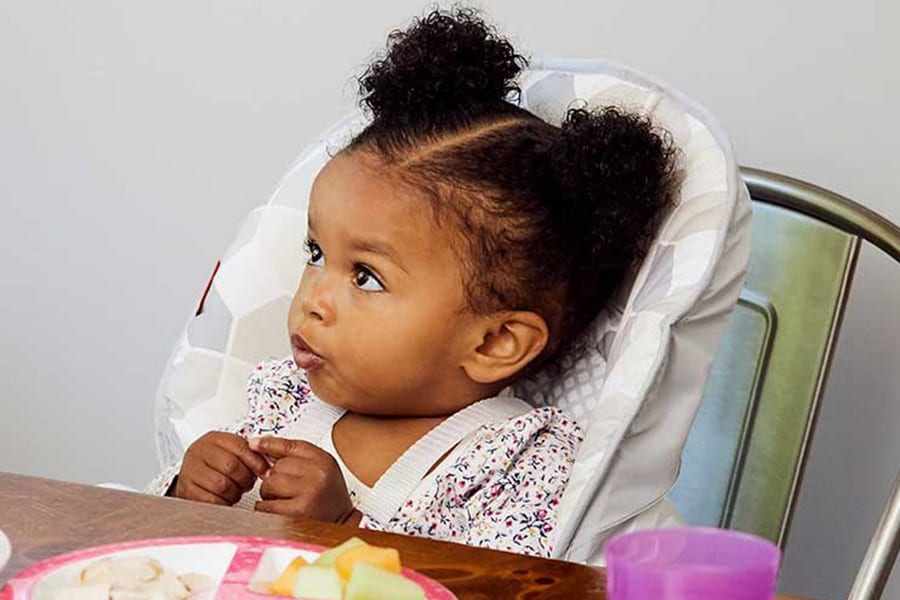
(321, 389)
(335, 393)
(327, 390)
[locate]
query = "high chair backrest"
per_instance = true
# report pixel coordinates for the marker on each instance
(744, 459)
(636, 387)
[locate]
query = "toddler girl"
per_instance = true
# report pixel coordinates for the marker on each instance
(456, 244)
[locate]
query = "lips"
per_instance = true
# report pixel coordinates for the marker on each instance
(304, 356)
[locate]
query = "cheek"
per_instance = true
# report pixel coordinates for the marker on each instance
(406, 340)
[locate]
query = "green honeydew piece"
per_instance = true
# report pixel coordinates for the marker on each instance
(369, 582)
(319, 583)
(326, 559)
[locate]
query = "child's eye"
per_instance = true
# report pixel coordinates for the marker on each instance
(314, 251)
(366, 280)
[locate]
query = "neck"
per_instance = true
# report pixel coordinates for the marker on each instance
(385, 440)
(395, 422)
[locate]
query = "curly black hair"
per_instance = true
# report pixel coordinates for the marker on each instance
(552, 217)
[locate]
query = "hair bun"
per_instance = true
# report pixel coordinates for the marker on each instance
(441, 61)
(618, 174)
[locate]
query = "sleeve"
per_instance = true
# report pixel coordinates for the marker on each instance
(275, 389)
(517, 510)
(502, 491)
(159, 485)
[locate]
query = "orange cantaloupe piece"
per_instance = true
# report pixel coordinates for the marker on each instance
(383, 558)
(284, 585)
(326, 559)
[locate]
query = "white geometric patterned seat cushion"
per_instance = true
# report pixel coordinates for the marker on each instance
(695, 267)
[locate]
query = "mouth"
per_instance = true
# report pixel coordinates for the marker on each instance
(304, 356)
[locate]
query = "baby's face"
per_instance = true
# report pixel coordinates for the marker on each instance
(378, 319)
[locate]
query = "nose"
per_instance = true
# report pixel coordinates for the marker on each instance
(317, 297)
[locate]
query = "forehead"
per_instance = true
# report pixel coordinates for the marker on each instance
(356, 197)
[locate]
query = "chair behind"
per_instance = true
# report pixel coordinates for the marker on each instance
(744, 459)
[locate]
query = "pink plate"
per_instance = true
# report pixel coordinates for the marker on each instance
(232, 562)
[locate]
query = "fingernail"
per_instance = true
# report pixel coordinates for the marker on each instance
(254, 443)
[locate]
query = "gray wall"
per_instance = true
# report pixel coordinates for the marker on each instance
(135, 135)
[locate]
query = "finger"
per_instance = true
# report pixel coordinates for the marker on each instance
(240, 448)
(231, 466)
(278, 507)
(276, 447)
(281, 486)
(292, 465)
(218, 484)
(192, 491)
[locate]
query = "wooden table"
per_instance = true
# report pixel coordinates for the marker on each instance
(43, 518)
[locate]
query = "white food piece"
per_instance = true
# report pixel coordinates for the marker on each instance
(122, 573)
(96, 591)
(196, 582)
(132, 578)
(97, 572)
(167, 584)
(129, 595)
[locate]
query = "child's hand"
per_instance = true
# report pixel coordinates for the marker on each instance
(218, 468)
(305, 481)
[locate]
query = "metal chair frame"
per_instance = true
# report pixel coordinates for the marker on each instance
(849, 216)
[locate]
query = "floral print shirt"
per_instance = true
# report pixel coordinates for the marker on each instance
(499, 488)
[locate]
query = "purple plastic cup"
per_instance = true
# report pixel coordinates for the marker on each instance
(693, 563)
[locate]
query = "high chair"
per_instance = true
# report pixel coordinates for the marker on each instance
(635, 390)
(637, 387)
(743, 462)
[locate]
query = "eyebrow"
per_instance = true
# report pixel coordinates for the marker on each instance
(370, 246)
(377, 247)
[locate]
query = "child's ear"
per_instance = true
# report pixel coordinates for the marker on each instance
(507, 343)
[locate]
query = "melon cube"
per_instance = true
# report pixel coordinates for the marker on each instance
(326, 559)
(385, 558)
(284, 585)
(318, 583)
(369, 582)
